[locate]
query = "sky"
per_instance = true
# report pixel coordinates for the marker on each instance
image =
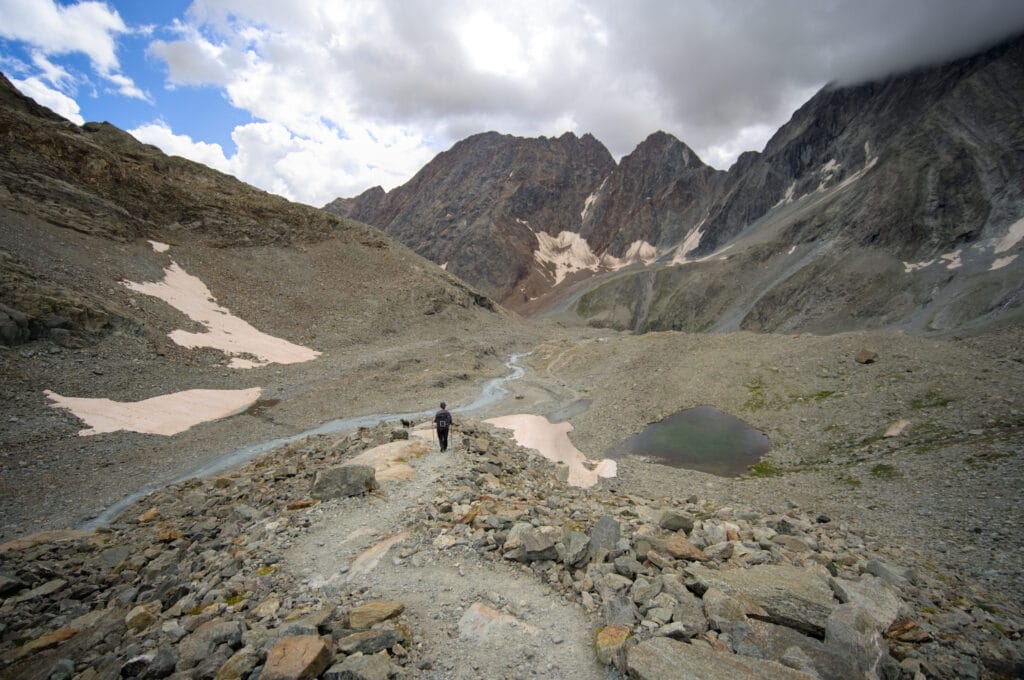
(316, 99)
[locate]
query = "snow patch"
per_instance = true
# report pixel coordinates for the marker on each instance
(567, 253)
(827, 172)
(689, 244)
(953, 259)
(1013, 236)
(909, 267)
(166, 414)
(1002, 262)
(788, 198)
(159, 247)
(792, 249)
(444, 266)
(638, 251)
(589, 202)
(225, 332)
(552, 441)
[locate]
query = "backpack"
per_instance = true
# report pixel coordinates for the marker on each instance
(443, 419)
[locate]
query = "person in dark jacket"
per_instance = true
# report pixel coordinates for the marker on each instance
(443, 422)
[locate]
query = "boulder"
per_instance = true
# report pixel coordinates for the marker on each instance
(200, 644)
(370, 641)
(662, 658)
(240, 665)
(605, 535)
(343, 481)
(791, 596)
(297, 657)
(865, 356)
(360, 667)
(608, 643)
(364, 616)
(676, 521)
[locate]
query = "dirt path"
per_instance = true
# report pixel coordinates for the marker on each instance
(478, 618)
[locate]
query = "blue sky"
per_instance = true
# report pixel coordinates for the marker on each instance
(314, 99)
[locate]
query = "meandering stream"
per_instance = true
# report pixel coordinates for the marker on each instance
(492, 392)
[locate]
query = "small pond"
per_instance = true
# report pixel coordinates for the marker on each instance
(701, 438)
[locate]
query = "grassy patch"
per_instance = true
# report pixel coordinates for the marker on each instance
(932, 399)
(850, 481)
(764, 468)
(267, 570)
(757, 400)
(819, 396)
(884, 471)
(235, 599)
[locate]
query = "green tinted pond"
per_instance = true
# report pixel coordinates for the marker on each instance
(701, 438)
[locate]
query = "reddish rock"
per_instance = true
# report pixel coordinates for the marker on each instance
(609, 642)
(44, 642)
(678, 547)
(297, 657)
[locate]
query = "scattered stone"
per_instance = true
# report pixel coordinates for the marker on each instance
(43, 642)
(865, 356)
(676, 521)
(370, 641)
(142, 616)
(360, 667)
(896, 429)
(662, 658)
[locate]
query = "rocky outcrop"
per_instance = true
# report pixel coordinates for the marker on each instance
(97, 179)
(476, 207)
(656, 195)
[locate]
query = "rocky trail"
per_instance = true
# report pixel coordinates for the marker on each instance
(477, 619)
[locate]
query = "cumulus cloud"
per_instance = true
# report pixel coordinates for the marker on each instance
(310, 169)
(90, 28)
(720, 76)
(56, 101)
(345, 95)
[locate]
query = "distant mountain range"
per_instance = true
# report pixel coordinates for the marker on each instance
(897, 203)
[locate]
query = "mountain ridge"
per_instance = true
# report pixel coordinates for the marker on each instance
(893, 172)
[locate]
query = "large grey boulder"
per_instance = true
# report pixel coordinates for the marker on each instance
(662, 658)
(343, 481)
(605, 535)
(791, 596)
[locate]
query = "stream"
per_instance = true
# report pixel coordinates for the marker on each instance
(492, 392)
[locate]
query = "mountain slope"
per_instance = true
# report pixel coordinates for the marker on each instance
(896, 203)
(917, 178)
(86, 209)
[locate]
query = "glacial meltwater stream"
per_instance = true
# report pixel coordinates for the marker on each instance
(492, 392)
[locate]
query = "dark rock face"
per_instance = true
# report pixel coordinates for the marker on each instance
(476, 206)
(654, 195)
(923, 167)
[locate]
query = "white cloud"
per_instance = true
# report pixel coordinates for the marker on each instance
(159, 134)
(52, 99)
(313, 170)
(89, 28)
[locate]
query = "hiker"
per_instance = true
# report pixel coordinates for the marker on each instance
(443, 421)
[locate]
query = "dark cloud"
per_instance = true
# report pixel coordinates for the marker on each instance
(701, 70)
